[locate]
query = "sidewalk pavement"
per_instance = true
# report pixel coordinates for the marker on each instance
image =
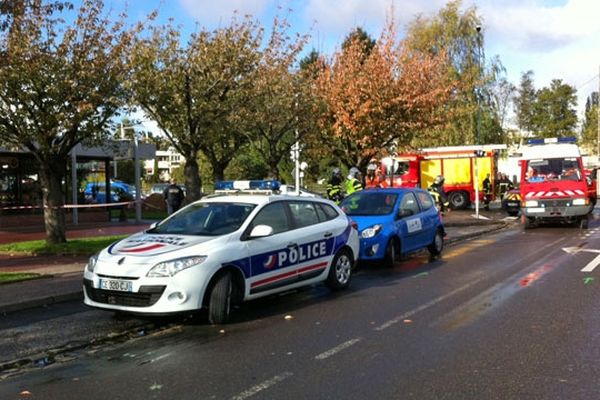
(61, 276)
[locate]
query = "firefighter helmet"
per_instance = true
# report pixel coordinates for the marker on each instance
(353, 172)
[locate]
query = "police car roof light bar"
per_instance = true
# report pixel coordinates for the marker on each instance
(272, 185)
(568, 139)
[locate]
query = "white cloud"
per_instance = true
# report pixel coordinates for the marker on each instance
(536, 27)
(335, 19)
(555, 41)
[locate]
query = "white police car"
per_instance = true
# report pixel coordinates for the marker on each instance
(221, 250)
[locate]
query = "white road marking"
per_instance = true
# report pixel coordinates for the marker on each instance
(592, 264)
(262, 386)
(337, 349)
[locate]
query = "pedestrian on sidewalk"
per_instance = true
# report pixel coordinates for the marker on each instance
(174, 196)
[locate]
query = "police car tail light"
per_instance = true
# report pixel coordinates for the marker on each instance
(91, 264)
(371, 231)
(172, 267)
(580, 202)
(531, 203)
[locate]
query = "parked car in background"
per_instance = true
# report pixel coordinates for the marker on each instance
(511, 202)
(395, 221)
(95, 192)
(222, 250)
(160, 188)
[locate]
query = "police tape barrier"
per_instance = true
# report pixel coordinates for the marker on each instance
(71, 206)
(92, 205)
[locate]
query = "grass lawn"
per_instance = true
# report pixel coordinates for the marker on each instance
(8, 277)
(85, 246)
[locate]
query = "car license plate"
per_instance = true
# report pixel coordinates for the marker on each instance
(116, 284)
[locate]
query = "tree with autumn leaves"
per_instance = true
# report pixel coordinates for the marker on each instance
(373, 102)
(60, 85)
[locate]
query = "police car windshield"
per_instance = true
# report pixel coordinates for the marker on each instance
(206, 219)
(369, 203)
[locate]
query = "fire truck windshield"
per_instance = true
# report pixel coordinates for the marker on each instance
(552, 169)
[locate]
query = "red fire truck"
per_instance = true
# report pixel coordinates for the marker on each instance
(459, 165)
(554, 184)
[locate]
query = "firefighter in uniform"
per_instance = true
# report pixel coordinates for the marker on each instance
(438, 193)
(353, 182)
(487, 192)
(374, 178)
(504, 185)
(334, 186)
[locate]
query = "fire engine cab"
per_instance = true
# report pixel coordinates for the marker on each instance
(554, 185)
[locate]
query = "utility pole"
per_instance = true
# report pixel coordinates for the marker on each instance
(477, 121)
(598, 110)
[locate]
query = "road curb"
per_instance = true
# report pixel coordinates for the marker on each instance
(493, 228)
(41, 302)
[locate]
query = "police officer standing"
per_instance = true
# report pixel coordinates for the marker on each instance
(334, 186)
(174, 196)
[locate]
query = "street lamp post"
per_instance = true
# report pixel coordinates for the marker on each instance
(136, 167)
(477, 121)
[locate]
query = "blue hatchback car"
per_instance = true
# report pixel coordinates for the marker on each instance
(395, 221)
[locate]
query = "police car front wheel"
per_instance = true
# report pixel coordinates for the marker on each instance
(340, 271)
(219, 305)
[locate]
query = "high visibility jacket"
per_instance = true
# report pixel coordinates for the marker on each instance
(353, 185)
(334, 190)
(375, 181)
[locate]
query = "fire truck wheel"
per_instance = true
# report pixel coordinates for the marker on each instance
(584, 222)
(529, 222)
(458, 200)
(392, 253)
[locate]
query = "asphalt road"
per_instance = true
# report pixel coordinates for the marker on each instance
(508, 316)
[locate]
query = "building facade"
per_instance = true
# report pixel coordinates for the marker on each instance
(166, 161)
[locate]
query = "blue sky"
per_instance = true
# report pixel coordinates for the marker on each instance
(557, 39)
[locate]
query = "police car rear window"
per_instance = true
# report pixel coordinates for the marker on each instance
(329, 212)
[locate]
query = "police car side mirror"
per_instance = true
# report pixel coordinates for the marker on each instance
(153, 225)
(260, 231)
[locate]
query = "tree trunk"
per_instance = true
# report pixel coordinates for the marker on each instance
(193, 183)
(51, 176)
(218, 172)
(273, 170)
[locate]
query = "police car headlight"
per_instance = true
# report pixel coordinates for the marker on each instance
(91, 264)
(371, 231)
(531, 203)
(579, 202)
(171, 267)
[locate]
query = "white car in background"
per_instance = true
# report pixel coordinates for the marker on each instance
(222, 250)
